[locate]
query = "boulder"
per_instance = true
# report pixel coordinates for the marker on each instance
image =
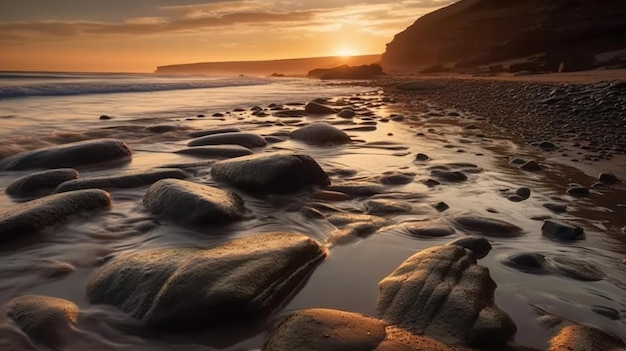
(248, 140)
(83, 153)
(320, 133)
(442, 293)
(315, 108)
(133, 179)
(44, 319)
(190, 203)
(270, 173)
(37, 214)
(194, 288)
(562, 231)
(226, 151)
(40, 182)
(487, 226)
(331, 330)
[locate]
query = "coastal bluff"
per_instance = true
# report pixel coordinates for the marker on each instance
(560, 35)
(286, 67)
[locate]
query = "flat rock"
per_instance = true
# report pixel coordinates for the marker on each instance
(449, 176)
(577, 191)
(37, 214)
(575, 337)
(201, 133)
(442, 293)
(320, 133)
(192, 203)
(357, 188)
(83, 153)
(40, 182)
(215, 151)
(387, 206)
(346, 113)
(327, 195)
(531, 166)
(396, 179)
(133, 179)
(427, 230)
(193, 288)
(562, 231)
(488, 226)
(248, 140)
(331, 330)
(270, 173)
(44, 319)
(315, 108)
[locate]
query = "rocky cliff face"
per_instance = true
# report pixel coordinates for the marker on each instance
(475, 32)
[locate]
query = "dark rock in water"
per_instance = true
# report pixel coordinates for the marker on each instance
(83, 153)
(441, 206)
(488, 226)
(40, 182)
(202, 133)
(515, 198)
(531, 166)
(431, 182)
(216, 151)
(523, 192)
(396, 179)
(607, 312)
(562, 231)
(343, 219)
(105, 117)
(162, 128)
(449, 176)
(331, 330)
(270, 173)
(346, 113)
(32, 216)
(193, 288)
(557, 208)
(358, 188)
(608, 178)
(477, 244)
(577, 191)
(576, 337)
(134, 179)
(517, 161)
(387, 206)
(547, 145)
(320, 133)
(315, 108)
(248, 140)
(442, 293)
(577, 269)
(528, 262)
(427, 230)
(44, 319)
(327, 195)
(421, 157)
(191, 203)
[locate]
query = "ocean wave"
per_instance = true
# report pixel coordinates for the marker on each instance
(132, 86)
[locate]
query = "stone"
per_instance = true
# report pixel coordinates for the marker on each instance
(557, 208)
(575, 337)
(577, 269)
(201, 133)
(488, 226)
(195, 288)
(332, 330)
(441, 206)
(357, 188)
(442, 293)
(270, 173)
(320, 133)
(396, 179)
(561, 231)
(531, 166)
(387, 206)
(44, 319)
(316, 108)
(427, 230)
(421, 157)
(32, 216)
(132, 179)
(249, 140)
(215, 151)
(346, 113)
(528, 262)
(72, 155)
(547, 145)
(449, 176)
(523, 192)
(191, 203)
(477, 244)
(608, 178)
(40, 182)
(327, 195)
(577, 191)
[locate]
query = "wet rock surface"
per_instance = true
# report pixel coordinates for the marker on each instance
(487, 226)
(133, 179)
(216, 151)
(40, 182)
(191, 288)
(248, 140)
(562, 231)
(320, 133)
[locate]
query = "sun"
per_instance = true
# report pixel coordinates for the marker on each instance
(345, 52)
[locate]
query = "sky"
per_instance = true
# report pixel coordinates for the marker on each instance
(139, 35)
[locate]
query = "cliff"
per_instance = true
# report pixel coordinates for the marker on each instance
(478, 32)
(290, 67)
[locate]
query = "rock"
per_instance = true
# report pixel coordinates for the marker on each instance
(248, 140)
(421, 157)
(431, 182)
(358, 188)
(270, 173)
(442, 293)
(576, 269)
(562, 231)
(13, 339)
(547, 145)
(528, 262)
(346, 113)
(40, 182)
(387, 206)
(320, 133)
(214, 151)
(133, 179)
(557, 208)
(343, 219)
(523, 192)
(517, 161)
(396, 179)
(331, 330)
(575, 337)
(449, 176)
(161, 128)
(441, 206)
(531, 166)
(608, 178)
(327, 195)
(35, 215)
(202, 133)
(314, 108)
(577, 191)
(44, 319)
(427, 230)
(194, 288)
(83, 153)
(190, 203)
(488, 226)
(477, 244)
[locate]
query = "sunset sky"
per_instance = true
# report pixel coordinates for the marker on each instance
(138, 35)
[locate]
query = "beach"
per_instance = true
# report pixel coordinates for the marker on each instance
(383, 170)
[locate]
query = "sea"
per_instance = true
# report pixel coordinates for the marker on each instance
(583, 281)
